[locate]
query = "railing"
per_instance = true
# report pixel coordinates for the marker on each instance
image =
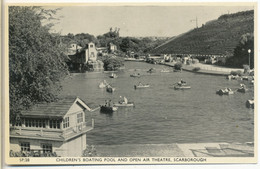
(52, 133)
(35, 131)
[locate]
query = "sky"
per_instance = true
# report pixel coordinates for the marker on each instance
(138, 21)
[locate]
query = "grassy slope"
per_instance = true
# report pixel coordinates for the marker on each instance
(217, 37)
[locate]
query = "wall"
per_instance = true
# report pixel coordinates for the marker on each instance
(75, 146)
(72, 114)
(71, 148)
(36, 145)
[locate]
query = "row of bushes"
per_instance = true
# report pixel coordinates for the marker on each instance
(31, 154)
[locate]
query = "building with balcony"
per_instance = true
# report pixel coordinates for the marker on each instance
(58, 127)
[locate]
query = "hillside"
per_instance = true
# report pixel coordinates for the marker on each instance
(219, 36)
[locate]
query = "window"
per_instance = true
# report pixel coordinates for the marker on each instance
(79, 117)
(19, 123)
(54, 124)
(91, 46)
(92, 54)
(66, 122)
(39, 123)
(47, 148)
(25, 146)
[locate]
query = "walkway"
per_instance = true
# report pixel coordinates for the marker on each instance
(177, 150)
(206, 69)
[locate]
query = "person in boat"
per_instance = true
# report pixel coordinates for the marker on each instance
(140, 84)
(110, 104)
(225, 90)
(106, 103)
(120, 100)
(243, 86)
(125, 100)
(109, 86)
(180, 83)
(105, 82)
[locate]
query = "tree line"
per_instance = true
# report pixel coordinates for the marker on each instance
(36, 60)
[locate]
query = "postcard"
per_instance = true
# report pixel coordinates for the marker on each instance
(130, 83)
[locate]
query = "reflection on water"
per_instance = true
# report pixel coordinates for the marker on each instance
(162, 114)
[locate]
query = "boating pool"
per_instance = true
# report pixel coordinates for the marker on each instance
(161, 114)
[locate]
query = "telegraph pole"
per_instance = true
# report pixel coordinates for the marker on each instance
(196, 21)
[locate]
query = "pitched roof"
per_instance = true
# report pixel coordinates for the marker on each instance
(56, 109)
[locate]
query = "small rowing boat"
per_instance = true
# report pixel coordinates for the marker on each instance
(102, 85)
(177, 87)
(242, 90)
(108, 109)
(129, 104)
(250, 103)
(110, 89)
(165, 71)
(152, 70)
(113, 75)
(135, 75)
(224, 92)
(141, 86)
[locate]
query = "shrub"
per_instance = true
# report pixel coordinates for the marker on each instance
(238, 72)
(196, 69)
(194, 61)
(246, 69)
(178, 66)
(113, 63)
(90, 151)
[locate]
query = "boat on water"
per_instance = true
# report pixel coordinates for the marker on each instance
(108, 109)
(129, 104)
(110, 89)
(152, 70)
(182, 87)
(232, 77)
(250, 104)
(135, 75)
(141, 86)
(165, 71)
(242, 90)
(113, 75)
(102, 85)
(226, 91)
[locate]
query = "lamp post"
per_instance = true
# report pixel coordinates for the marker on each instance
(249, 51)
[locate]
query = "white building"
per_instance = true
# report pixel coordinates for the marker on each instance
(57, 127)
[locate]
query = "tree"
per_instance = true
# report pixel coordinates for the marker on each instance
(240, 56)
(112, 63)
(36, 61)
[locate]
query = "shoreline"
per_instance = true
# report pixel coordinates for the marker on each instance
(201, 71)
(189, 68)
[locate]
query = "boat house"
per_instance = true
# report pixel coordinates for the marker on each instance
(85, 59)
(53, 128)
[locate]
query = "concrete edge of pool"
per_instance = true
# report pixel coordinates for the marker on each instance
(221, 149)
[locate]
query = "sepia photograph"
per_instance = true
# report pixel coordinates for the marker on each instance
(131, 83)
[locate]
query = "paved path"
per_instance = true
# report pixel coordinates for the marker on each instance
(205, 68)
(139, 150)
(177, 150)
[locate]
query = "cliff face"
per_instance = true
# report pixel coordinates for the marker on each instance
(219, 36)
